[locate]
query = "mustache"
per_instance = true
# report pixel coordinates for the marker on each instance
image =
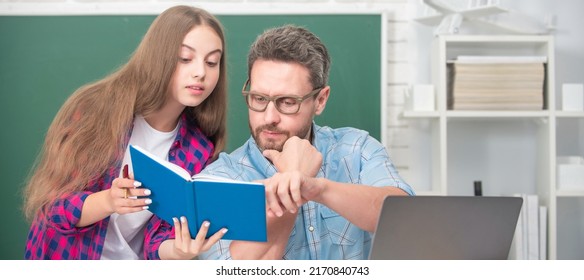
(269, 127)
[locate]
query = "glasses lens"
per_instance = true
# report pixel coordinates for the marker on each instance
(257, 102)
(288, 105)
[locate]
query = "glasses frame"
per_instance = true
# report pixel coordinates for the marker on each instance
(273, 99)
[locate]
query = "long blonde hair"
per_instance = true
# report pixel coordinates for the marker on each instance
(87, 136)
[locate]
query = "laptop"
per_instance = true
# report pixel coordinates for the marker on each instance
(445, 228)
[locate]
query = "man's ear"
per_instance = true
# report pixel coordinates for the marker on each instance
(321, 100)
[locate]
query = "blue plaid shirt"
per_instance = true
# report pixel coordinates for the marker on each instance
(349, 155)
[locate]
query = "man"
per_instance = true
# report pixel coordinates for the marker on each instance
(324, 186)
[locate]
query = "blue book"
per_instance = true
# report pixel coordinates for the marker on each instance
(236, 205)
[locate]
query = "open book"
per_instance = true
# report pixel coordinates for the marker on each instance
(236, 205)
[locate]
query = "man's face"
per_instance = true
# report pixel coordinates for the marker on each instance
(270, 128)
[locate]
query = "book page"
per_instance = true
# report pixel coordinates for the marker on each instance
(173, 167)
(215, 178)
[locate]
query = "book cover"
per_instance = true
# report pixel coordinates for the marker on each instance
(532, 212)
(518, 245)
(542, 232)
(236, 205)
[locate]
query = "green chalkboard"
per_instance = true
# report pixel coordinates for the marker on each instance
(43, 59)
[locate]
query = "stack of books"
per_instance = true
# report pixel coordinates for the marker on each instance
(530, 239)
(496, 83)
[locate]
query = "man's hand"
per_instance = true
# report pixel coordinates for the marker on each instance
(297, 155)
(287, 191)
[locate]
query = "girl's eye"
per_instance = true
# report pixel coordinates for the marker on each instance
(212, 63)
(184, 60)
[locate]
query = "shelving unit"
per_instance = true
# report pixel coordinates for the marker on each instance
(569, 203)
(509, 151)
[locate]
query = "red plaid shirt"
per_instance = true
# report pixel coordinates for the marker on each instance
(58, 238)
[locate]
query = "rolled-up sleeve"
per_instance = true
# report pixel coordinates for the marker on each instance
(65, 213)
(377, 169)
(157, 231)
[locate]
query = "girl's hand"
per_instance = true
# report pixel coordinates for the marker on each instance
(123, 195)
(186, 248)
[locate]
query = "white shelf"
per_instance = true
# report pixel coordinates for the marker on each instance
(463, 151)
(569, 114)
(570, 193)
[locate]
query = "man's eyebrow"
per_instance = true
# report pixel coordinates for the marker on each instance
(193, 49)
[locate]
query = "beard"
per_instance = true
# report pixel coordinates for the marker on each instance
(278, 145)
(268, 144)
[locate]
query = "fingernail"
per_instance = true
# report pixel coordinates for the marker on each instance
(206, 224)
(148, 201)
(137, 184)
(279, 214)
(224, 230)
(183, 219)
(174, 219)
(147, 192)
(145, 208)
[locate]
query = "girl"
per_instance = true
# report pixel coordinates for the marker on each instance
(170, 98)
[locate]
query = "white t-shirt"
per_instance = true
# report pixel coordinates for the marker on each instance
(124, 238)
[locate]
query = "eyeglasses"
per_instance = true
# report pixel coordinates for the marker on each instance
(285, 104)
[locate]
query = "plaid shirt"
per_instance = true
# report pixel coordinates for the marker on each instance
(349, 155)
(58, 238)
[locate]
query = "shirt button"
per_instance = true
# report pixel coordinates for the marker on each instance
(311, 228)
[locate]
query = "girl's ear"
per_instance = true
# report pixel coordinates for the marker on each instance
(321, 100)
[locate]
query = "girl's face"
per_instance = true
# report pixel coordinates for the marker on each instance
(197, 70)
